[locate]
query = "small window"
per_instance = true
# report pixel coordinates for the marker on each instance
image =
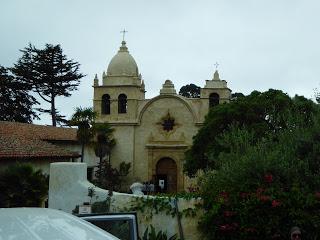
(122, 103)
(213, 99)
(105, 104)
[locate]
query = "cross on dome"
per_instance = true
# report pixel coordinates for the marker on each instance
(123, 33)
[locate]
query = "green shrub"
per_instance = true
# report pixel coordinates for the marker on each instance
(22, 186)
(153, 235)
(102, 206)
(110, 178)
(263, 113)
(264, 188)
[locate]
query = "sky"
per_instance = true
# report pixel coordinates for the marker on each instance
(259, 44)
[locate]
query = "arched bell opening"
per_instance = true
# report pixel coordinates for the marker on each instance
(214, 99)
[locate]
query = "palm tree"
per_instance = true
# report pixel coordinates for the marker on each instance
(83, 118)
(103, 146)
(104, 141)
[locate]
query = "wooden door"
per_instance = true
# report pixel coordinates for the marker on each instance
(168, 168)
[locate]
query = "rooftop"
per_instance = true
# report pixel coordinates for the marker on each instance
(23, 140)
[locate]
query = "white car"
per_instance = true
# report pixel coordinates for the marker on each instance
(47, 224)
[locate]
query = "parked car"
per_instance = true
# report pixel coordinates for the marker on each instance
(47, 224)
(122, 225)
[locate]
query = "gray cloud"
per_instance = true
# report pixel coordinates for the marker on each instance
(259, 44)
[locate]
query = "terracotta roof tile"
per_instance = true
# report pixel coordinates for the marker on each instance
(22, 140)
(38, 131)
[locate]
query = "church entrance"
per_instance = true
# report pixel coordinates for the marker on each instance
(166, 170)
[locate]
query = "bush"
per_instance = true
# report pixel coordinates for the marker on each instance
(262, 113)
(110, 178)
(22, 186)
(153, 235)
(265, 187)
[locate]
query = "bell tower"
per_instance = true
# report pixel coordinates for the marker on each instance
(117, 98)
(214, 92)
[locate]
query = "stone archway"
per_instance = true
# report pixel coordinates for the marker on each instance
(166, 169)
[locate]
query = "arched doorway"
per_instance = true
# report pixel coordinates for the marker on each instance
(166, 170)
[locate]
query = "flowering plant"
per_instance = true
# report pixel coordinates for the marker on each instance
(264, 213)
(260, 191)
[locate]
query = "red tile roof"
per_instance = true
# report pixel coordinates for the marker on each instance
(22, 140)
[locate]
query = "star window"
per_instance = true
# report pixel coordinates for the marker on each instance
(168, 123)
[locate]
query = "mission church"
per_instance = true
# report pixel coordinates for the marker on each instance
(152, 134)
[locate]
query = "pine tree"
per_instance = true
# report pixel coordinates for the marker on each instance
(16, 102)
(50, 74)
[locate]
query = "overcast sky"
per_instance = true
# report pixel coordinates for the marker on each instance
(259, 44)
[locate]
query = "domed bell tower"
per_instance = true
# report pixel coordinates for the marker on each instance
(117, 98)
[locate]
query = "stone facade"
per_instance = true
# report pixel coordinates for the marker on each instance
(151, 134)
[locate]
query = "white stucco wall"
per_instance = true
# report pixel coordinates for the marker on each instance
(68, 187)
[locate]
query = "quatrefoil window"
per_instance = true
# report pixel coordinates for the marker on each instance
(168, 123)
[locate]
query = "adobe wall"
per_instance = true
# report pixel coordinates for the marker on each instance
(68, 187)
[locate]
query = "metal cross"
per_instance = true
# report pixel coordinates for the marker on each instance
(123, 33)
(216, 65)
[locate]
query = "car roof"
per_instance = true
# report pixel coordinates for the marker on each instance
(45, 223)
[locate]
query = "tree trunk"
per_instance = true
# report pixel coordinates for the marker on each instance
(109, 158)
(82, 151)
(53, 112)
(100, 167)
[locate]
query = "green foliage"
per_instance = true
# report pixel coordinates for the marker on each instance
(184, 195)
(16, 102)
(236, 95)
(22, 186)
(84, 119)
(49, 73)
(98, 206)
(102, 206)
(104, 140)
(262, 114)
(89, 130)
(317, 95)
(111, 178)
(154, 205)
(124, 168)
(91, 193)
(261, 159)
(107, 177)
(153, 235)
(264, 186)
(190, 91)
(151, 205)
